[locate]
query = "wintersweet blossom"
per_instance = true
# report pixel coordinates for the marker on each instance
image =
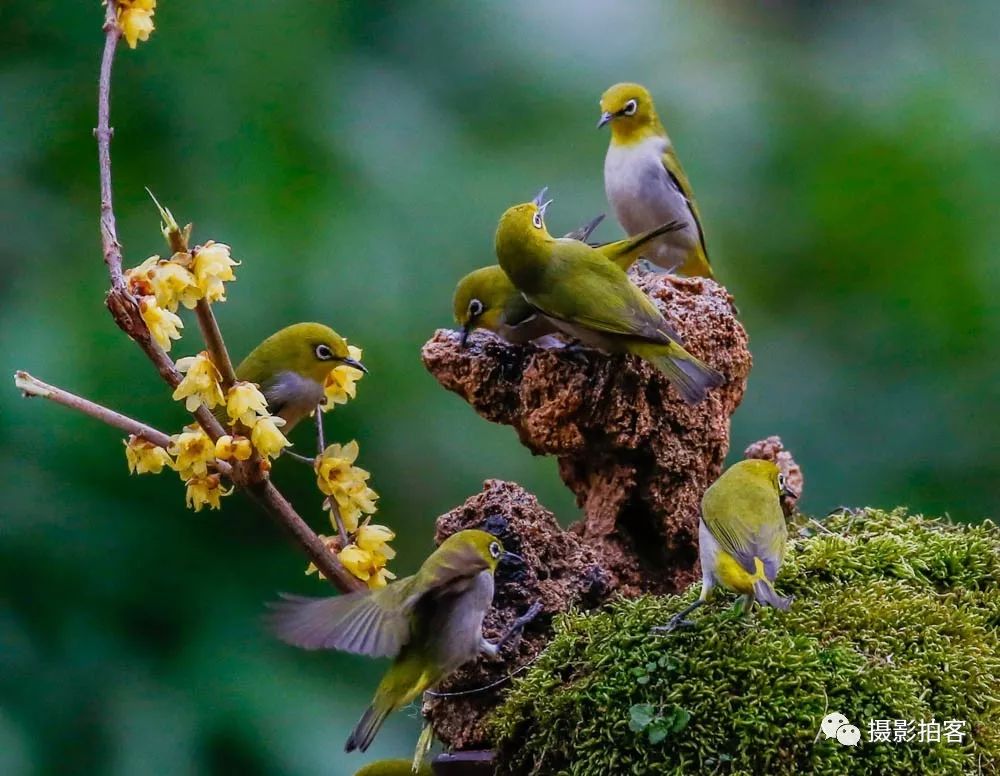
(144, 457)
(135, 19)
(205, 491)
(367, 566)
(229, 447)
(246, 404)
(193, 450)
(375, 539)
(266, 437)
(163, 325)
(345, 484)
(340, 384)
(200, 384)
(212, 265)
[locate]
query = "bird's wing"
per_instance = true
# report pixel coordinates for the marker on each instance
(625, 252)
(587, 289)
(583, 232)
(374, 623)
(679, 179)
(745, 535)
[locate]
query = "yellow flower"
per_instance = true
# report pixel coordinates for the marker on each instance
(163, 325)
(375, 539)
(380, 579)
(136, 21)
(245, 403)
(266, 437)
(205, 491)
(145, 457)
(335, 465)
(349, 518)
(228, 447)
(171, 283)
(340, 381)
(194, 450)
(212, 265)
(200, 384)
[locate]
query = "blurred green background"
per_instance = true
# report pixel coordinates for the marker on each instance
(356, 156)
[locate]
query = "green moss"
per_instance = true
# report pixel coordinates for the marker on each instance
(895, 617)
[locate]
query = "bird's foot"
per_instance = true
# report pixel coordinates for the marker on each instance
(680, 621)
(301, 458)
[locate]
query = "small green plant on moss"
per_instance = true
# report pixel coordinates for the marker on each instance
(895, 617)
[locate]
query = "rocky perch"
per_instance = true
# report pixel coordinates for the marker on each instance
(635, 455)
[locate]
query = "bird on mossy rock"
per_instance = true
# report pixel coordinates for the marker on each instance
(742, 536)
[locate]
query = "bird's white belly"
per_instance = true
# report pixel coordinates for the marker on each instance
(643, 196)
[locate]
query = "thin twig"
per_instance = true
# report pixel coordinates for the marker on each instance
(217, 350)
(320, 437)
(109, 232)
(328, 564)
(32, 386)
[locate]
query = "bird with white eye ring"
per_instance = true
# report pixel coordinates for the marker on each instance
(645, 183)
(291, 366)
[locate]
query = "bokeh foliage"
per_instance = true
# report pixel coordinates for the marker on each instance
(895, 617)
(357, 156)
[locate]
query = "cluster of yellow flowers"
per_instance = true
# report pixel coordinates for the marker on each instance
(163, 285)
(365, 557)
(192, 452)
(340, 384)
(135, 19)
(348, 497)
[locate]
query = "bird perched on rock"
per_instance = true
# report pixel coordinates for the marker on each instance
(645, 183)
(290, 367)
(485, 298)
(431, 623)
(592, 299)
(742, 535)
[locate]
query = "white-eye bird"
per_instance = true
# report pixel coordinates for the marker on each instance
(591, 298)
(290, 367)
(645, 183)
(431, 623)
(486, 298)
(742, 535)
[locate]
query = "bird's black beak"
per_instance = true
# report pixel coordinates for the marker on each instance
(787, 492)
(512, 557)
(604, 119)
(540, 197)
(466, 331)
(353, 362)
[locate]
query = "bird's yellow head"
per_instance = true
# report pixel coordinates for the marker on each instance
(308, 349)
(522, 227)
(471, 551)
(759, 471)
(629, 109)
(480, 299)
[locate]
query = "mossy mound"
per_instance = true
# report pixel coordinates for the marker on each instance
(895, 617)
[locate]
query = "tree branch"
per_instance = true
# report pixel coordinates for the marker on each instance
(124, 309)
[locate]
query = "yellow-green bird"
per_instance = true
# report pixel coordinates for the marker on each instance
(742, 535)
(290, 367)
(486, 299)
(394, 767)
(645, 183)
(592, 299)
(431, 623)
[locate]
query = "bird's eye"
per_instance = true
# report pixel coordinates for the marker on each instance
(323, 352)
(536, 220)
(475, 308)
(781, 482)
(495, 550)
(630, 108)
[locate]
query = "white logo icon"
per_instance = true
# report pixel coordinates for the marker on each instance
(836, 725)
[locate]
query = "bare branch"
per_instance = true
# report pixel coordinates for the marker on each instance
(32, 386)
(109, 232)
(216, 345)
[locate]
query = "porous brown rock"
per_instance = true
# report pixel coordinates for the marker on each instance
(635, 455)
(559, 570)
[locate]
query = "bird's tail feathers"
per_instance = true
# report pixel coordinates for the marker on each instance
(367, 728)
(764, 592)
(692, 378)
